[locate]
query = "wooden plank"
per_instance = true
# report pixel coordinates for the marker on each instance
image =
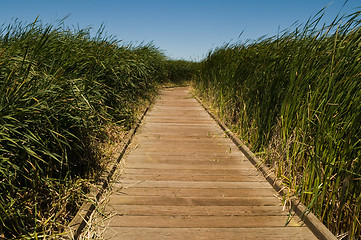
(187, 161)
(196, 150)
(183, 151)
(194, 201)
(187, 155)
(199, 172)
(118, 189)
(184, 221)
(177, 119)
(274, 233)
(210, 164)
(150, 140)
(187, 184)
(158, 210)
(193, 177)
(189, 114)
(191, 144)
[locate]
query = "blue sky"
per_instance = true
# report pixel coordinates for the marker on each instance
(186, 29)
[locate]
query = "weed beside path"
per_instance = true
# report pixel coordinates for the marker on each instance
(61, 90)
(296, 99)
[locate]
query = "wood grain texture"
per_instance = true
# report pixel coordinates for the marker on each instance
(186, 180)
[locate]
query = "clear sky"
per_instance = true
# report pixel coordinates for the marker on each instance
(186, 29)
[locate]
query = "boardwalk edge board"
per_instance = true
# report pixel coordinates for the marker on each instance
(311, 221)
(80, 220)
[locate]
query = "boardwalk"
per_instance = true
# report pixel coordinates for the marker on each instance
(186, 180)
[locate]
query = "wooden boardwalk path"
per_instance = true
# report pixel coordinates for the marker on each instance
(186, 180)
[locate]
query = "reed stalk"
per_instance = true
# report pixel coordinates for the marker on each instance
(59, 89)
(295, 98)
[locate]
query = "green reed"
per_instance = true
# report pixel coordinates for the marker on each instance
(58, 88)
(296, 99)
(180, 71)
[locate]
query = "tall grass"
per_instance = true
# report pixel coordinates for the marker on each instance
(180, 71)
(58, 88)
(296, 99)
